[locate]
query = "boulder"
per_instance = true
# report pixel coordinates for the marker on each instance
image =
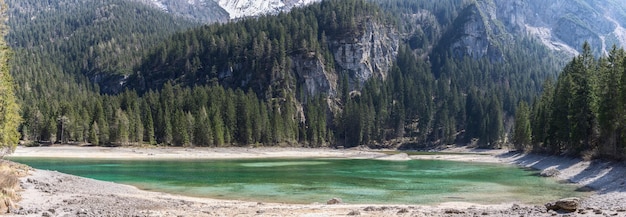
(566, 204)
(334, 201)
(550, 172)
(354, 212)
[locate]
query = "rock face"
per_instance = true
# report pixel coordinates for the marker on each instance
(565, 25)
(565, 204)
(562, 25)
(368, 55)
(311, 72)
(475, 36)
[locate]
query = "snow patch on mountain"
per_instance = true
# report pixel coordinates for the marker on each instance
(246, 8)
(159, 4)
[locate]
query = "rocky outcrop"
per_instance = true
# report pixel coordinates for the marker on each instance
(550, 172)
(473, 34)
(312, 74)
(368, 55)
(564, 25)
(566, 204)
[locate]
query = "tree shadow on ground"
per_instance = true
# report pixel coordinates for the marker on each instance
(599, 175)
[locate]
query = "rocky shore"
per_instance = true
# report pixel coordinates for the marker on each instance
(49, 193)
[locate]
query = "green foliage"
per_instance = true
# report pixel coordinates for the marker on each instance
(9, 109)
(522, 130)
(584, 113)
(233, 83)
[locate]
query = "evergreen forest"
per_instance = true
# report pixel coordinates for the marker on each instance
(127, 74)
(581, 113)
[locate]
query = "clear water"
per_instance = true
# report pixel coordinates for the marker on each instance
(317, 180)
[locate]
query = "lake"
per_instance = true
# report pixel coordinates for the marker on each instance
(305, 181)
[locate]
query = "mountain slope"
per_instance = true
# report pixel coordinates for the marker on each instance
(337, 72)
(203, 11)
(210, 11)
(304, 45)
(564, 25)
(246, 8)
(95, 39)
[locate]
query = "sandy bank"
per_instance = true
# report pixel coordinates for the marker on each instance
(49, 193)
(188, 153)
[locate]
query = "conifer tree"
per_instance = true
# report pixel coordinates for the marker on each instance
(93, 134)
(522, 131)
(9, 109)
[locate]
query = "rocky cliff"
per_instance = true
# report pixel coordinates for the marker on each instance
(561, 25)
(368, 54)
(474, 34)
(564, 25)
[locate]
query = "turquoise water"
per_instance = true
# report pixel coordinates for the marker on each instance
(317, 180)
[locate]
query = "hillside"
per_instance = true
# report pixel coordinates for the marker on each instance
(565, 25)
(334, 73)
(202, 11)
(83, 39)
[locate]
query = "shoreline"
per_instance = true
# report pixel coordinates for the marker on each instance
(190, 153)
(59, 194)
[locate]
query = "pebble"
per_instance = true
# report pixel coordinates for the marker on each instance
(403, 210)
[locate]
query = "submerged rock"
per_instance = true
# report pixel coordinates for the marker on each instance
(566, 204)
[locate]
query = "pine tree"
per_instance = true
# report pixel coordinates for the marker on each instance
(218, 129)
(609, 102)
(581, 111)
(9, 109)
(180, 134)
(122, 127)
(203, 135)
(149, 125)
(541, 117)
(522, 131)
(93, 134)
(167, 136)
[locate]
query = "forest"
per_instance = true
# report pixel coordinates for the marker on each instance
(581, 113)
(166, 90)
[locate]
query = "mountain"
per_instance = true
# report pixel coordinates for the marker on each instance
(561, 25)
(351, 72)
(210, 11)
(101, 40)
(245, 8)
(364, 46)
(203, 11)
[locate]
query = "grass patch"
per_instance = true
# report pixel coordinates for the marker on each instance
(9, 184)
